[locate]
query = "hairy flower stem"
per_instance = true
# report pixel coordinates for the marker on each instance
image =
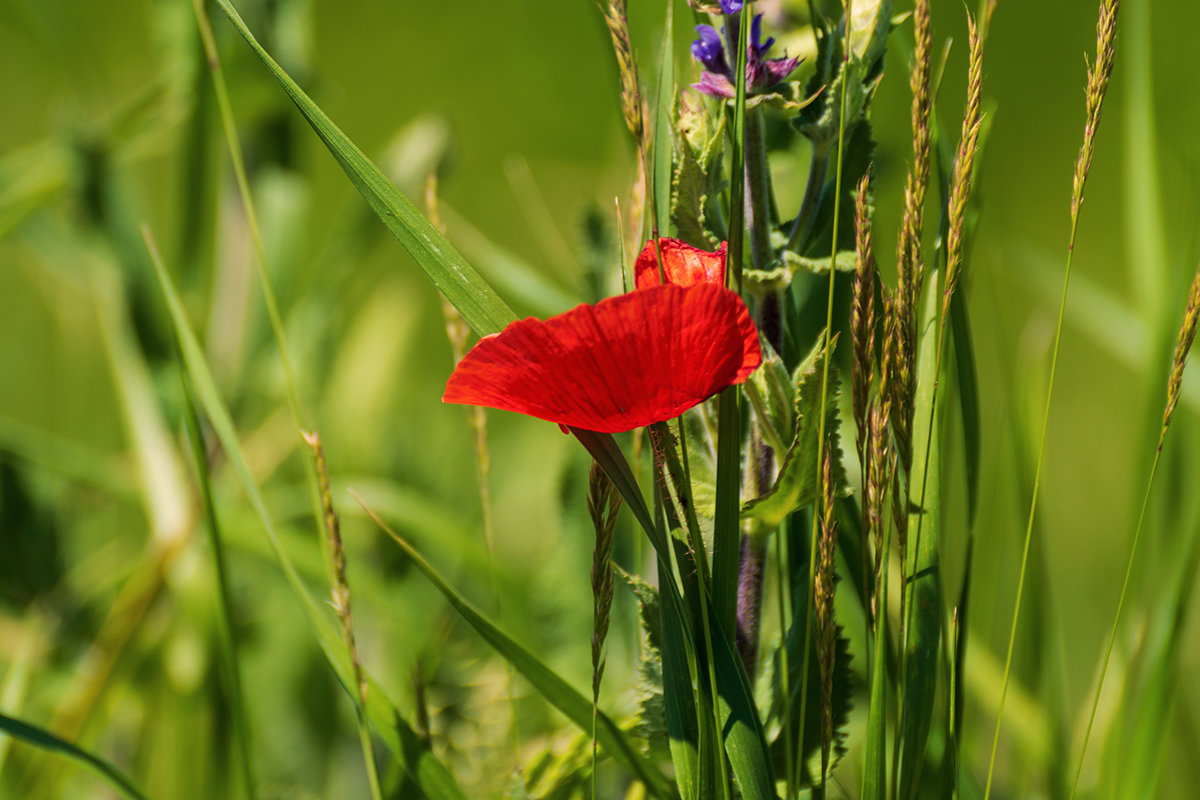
(752, 552)
(759, 200)
(802, 226)
(752, 564)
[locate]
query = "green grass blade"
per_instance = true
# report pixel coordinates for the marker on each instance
(228, 643)
(661, 158)
(875, 749)
(480, 306)
(40, 737)
(745, 740)
(429, 773)
(573, 704)
(924, 589)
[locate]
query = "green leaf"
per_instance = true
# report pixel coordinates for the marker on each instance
(925, 606)
(40, 737)
(414, 755)
(796, 484)
(697, 176)
(845, 261)
(660, 177)
(573, 704)
(771, 394)
(745, 739)
(480, 306)
(875, 749)
(651, 724)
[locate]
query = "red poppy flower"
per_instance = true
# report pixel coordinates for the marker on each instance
(628, 361)
(682, 264)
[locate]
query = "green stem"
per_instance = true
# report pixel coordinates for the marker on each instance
(759, 207)
(812, 550)
(1037, 482)
(233, 677)
(817, 170)
(1112, 636)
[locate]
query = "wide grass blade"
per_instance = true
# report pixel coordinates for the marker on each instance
(40, 737)
(573, 704)
(923, 602)
(480, 306)
(414, 756)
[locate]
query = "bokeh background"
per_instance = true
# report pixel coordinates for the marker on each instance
(107, 628)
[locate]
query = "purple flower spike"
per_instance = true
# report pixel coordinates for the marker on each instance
(756, 34)
(709, 51)
(762, 73)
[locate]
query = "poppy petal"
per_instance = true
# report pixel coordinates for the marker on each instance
(626, 362)
(682, 264)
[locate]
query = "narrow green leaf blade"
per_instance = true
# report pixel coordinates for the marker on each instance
(480, 306)
(40, 737)
(414, 756)
(661, 176)
(924, 590)
(546, 681)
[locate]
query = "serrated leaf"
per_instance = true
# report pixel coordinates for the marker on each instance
(796, 484)
(651, 725)
(772, 396)
(844, 261)
(689, 193)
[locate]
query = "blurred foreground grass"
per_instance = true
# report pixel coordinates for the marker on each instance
(107, 628)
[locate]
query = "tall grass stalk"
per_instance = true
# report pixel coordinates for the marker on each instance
(603, 503)
(1183, 346)
(457, 333)
(847, 7)
(339, 589)
(229, 127)
(228, 643)
(1099, 74)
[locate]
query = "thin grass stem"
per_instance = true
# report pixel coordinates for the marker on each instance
(837, 207)
(1099, 73)
(225, 635)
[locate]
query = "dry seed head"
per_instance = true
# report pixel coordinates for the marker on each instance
(909, 264)
(1099, 73)
(862, 315)
(1183, 344)
(964, 162)
(603, 504)
(631, 98)
(878, 458)
(823, 597)
(339, 588)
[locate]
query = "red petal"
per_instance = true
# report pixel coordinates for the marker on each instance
(682, 264)
(626, 362)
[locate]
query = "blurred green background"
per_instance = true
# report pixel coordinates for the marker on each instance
(109, 121)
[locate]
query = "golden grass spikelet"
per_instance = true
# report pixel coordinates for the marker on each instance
(603, 504)
(823, 598)
(909, 264)
(339, 588)
(878, 457)
(1099, 73)
(617, 19)
(862, 316)
(964, 162)
(1183, 345)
